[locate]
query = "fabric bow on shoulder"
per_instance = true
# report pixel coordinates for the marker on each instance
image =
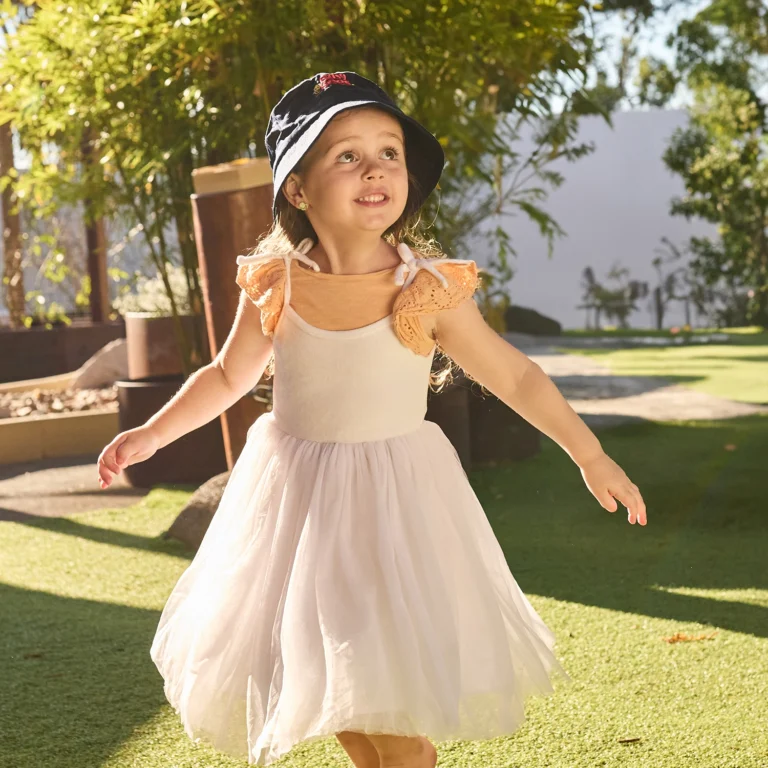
(300, 254)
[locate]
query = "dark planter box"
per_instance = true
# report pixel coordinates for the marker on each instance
(497, 433)
(483, 430)
(449, 410)
(152, 347)
(190, 460)
(29, 353)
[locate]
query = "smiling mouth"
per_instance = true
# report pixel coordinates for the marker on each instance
(373, 200)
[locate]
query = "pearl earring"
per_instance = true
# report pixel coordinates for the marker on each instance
(303, 206)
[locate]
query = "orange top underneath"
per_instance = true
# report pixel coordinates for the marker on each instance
(343, 302)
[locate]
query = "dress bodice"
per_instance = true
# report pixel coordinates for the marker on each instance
(351, 385)
(346, 386)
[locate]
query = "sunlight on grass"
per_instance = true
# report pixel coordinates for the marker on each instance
(737, 372)
(746, 596)
(95, 555)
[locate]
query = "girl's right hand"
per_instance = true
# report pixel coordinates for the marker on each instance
(127, 448)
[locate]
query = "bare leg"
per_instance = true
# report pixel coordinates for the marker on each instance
(360, 749)
(404, 751)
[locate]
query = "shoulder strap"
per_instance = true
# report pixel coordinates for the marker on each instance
(299, 253)
(412, 265)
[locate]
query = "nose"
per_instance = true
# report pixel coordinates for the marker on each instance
(373, 170)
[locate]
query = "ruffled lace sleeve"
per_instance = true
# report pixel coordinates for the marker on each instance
(264, 283)
(428, 294)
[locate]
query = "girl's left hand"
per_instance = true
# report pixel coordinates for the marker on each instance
(608, 482)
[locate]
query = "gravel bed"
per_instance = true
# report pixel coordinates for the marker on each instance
(40, 402)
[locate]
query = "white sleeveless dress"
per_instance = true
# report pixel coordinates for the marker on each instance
(349, 579)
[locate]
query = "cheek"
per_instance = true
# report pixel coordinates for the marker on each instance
(338, 180)
(402, 182)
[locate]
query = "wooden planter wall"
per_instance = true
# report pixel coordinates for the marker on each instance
(30, 353)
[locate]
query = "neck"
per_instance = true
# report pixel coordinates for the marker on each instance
(353, 255)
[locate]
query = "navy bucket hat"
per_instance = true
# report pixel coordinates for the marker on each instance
(298, 119)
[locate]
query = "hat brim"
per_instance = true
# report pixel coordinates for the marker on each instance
(424, 155)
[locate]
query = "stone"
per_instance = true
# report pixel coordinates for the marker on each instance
(108, 365)
(193, 521)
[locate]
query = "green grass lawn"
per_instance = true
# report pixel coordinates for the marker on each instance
(753, 334)
(80, 598)
(737, 370)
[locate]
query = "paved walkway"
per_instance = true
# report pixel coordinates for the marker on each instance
(604, 399)
(56, 488)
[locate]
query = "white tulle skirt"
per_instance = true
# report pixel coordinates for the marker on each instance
(349, 586)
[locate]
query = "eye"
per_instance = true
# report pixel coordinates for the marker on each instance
(395, 154)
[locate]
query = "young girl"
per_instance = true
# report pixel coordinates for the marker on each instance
(349, 582)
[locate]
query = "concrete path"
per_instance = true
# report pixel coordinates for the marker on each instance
(603, 399)
(52, 488)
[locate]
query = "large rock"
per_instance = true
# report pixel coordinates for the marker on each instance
(193, 521)
(108, 365)
(525, 320)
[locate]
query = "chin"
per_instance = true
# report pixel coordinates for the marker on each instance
(382, 219)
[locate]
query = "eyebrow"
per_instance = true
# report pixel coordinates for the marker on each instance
(348, 138)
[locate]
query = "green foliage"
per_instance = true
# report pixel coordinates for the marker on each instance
(722, 154)
(148, 294)
(678, 282)
(44, 312)
(493, 296)
(722, 157)
(616, 302)
(656, 81)
(118, 104)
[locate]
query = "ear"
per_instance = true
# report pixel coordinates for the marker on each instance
(293, 189)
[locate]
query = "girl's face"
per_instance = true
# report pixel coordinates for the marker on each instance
(360, 154)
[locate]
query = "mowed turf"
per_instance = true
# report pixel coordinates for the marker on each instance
(737, 370)
(80, 598)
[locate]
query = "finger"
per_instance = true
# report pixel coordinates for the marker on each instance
(607, 501)
(124, 454)
(105, 476)
(642, 513)
(123, 449)
(107, 459)
(637, 507)
(627, 497)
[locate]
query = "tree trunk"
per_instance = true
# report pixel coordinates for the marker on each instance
(96, 243)
(659, 307)
(96, 247)
(13, 276)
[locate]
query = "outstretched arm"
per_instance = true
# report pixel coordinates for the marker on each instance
(204, 395)
(522, 385)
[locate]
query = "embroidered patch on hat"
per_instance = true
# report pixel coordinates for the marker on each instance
(328, 79)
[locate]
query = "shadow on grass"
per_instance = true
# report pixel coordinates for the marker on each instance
(706, 523)
(610, 386)
(77, 678)
(725, 361)
(73, 527)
